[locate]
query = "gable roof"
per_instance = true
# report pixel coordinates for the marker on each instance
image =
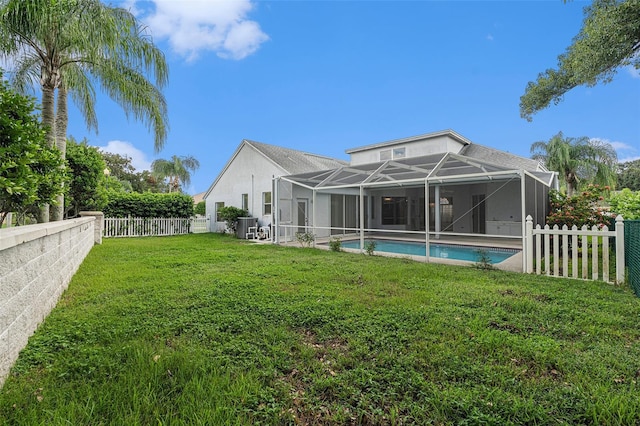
(453, 135)
(506, 159)
(293, 161)
(290, 161)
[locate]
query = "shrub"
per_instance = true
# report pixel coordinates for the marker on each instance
(626, 203)
(305, 239)
(230, 215)
(579, 210)
(148, 204)
(335, 244)
(370, 247)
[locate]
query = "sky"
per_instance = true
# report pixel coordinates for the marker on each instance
(325, 76)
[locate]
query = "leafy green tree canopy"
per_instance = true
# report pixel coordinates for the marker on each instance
(86, 189)
(201, 208)
(31, 173)
(67, 46)
(608, 40)
(629, 175)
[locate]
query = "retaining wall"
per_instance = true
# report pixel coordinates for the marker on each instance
(36, 265)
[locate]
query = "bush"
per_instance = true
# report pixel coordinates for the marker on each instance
(370, 247)
(626, 203)
(230, 215)
(579, 210)
(305, 239)
(335, 244)
(148, 204)
(201, 208)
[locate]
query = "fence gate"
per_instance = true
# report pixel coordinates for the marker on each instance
(632, 253)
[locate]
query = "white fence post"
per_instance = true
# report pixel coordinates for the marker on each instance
(620, 265)
(529, 244)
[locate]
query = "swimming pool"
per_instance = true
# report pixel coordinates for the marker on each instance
(445, 251)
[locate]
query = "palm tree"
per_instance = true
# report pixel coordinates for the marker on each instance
(177, 170)
(65, 46)
(578, 160)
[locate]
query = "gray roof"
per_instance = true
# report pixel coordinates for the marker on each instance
(501, 158)
(448, 132)
(294, 161)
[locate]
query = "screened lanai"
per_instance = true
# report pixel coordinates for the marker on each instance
(429, 198)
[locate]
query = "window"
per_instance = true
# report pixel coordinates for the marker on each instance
(266, 203)
(245, 202)
(395, 153)
(218, 206)
(399, 152)
(394, 210)
(385, 155)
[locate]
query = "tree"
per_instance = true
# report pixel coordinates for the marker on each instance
(200, 208)
(67, 45)
(629, 175)
(86, 189)
(122, 176)
(177, 170)
(30, 171)
(608, 40)
(577, 160)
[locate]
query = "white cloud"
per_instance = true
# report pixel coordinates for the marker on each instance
(138, 158)
(490, 37)
(633, 71)
(627, 159)
(195, 26)
(625, 151)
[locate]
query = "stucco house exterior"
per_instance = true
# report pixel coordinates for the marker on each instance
(246, 181)
(473, 190)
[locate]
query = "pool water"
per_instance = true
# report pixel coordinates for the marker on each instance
(445, 251)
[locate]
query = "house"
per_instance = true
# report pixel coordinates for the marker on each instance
(431, 186)
(437, 182)
(246, 181)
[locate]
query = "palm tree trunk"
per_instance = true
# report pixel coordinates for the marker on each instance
(61, 121)
(48, 119)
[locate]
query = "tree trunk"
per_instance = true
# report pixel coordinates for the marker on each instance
(61, 120)
(48, 119)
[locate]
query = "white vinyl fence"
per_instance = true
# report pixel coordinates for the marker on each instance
(564, 252)
(146, 227)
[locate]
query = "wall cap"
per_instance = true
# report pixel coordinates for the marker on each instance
(11, 237)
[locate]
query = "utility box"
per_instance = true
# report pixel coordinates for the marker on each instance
(244, 223)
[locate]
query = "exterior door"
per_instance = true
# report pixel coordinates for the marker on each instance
(478, 214)
(303, 217)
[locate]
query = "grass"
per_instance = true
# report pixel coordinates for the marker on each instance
(205, 329)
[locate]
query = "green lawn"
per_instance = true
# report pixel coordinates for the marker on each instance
(205, 329)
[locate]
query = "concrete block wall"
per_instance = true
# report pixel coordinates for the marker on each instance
(36, 265)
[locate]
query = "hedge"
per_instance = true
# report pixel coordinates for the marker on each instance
(149, 204)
